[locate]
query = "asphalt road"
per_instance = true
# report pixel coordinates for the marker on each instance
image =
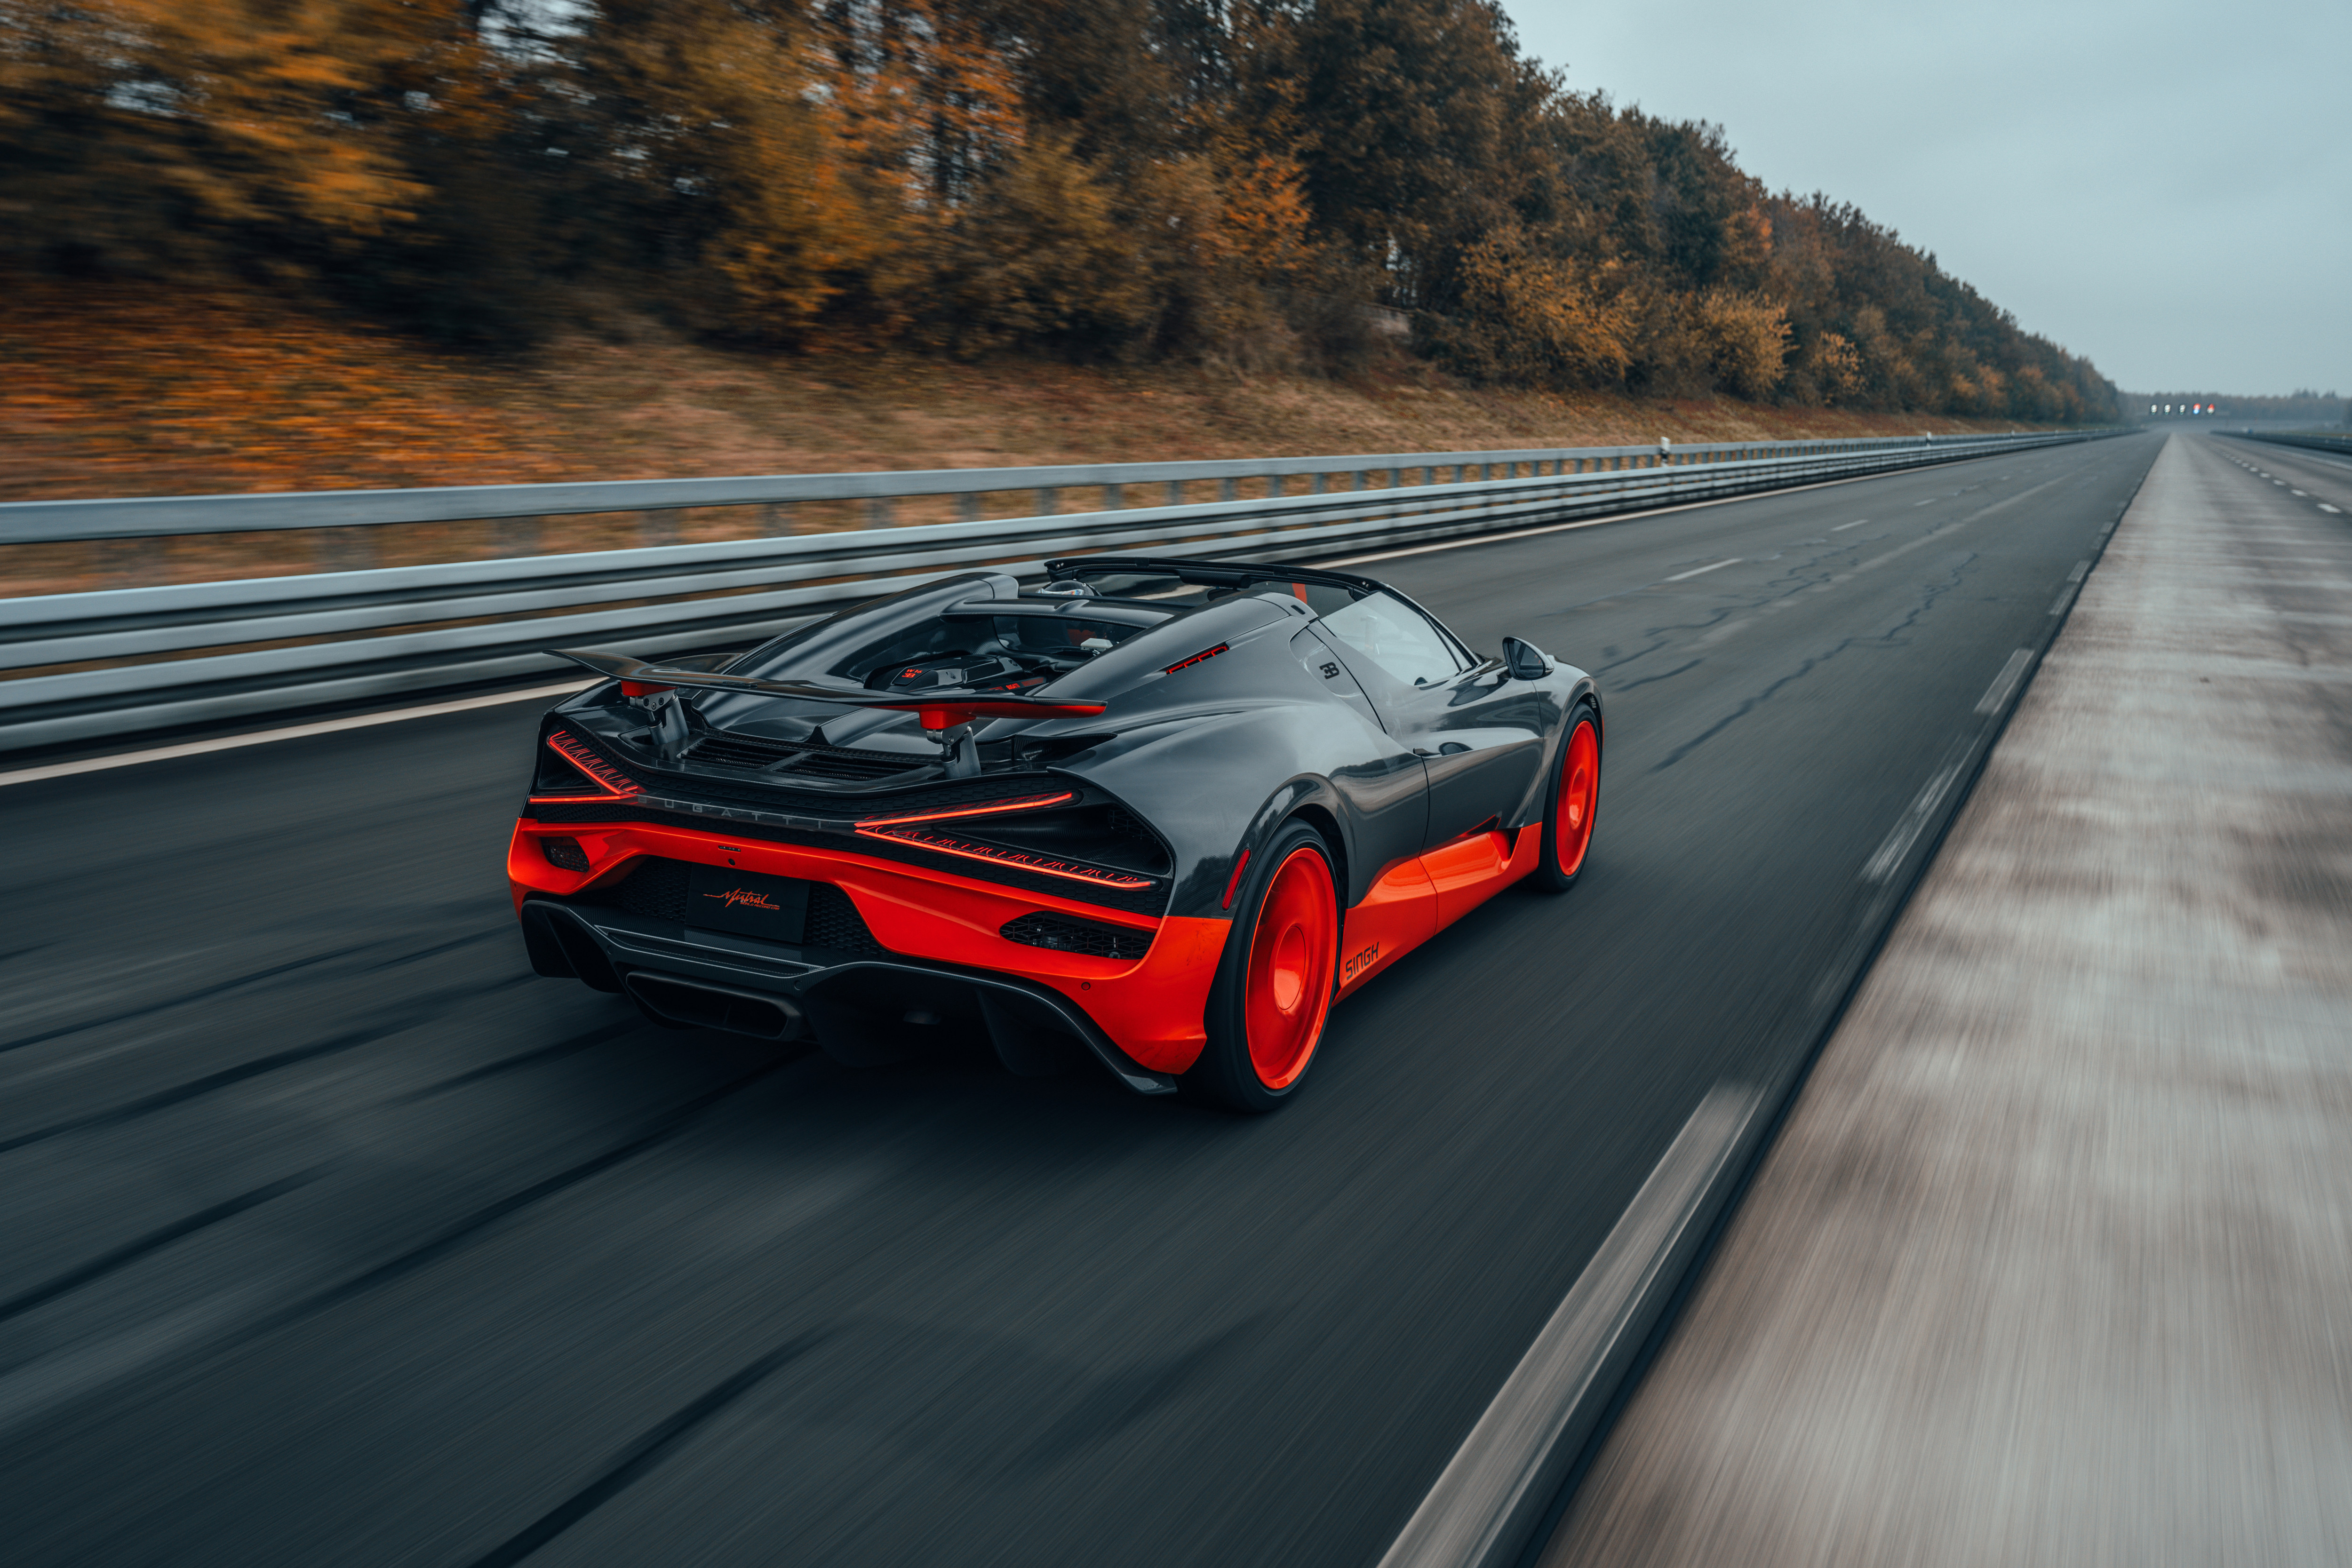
(328, 1234)
(2048, 1269)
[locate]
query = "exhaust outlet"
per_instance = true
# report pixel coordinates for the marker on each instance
(715, 1007)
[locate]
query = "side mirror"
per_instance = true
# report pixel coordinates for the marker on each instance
(1524, 661)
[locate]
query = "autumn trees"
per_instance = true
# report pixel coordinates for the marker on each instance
(1101, 178)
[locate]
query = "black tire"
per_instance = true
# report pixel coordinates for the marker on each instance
(1549, 875)
(1263, 968)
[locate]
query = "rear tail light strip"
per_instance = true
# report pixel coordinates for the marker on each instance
(1018, 860)
(985, 809)
(614, 784)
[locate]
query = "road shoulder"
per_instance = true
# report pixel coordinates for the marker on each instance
(2049, 1263)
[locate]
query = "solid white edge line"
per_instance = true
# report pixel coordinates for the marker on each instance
(1490, 1482)
(2004, 683)
(292, 732)
(1701, 571)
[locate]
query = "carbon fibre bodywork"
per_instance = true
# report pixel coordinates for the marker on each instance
(1060, 884)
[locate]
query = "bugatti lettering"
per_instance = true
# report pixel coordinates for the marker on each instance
(976, 805)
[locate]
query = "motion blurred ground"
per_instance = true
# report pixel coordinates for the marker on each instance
(114, 389)
(2051, 1262)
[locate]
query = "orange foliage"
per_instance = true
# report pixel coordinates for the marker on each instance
(116, 391)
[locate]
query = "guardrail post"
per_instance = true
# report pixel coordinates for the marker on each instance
(1273, 486)
(657, 527)
(1114, 497)
(1229, 489)
(1175, 492)
(1049, 500)
(968, 506)
(880, 512)
(777, 517)
(1315, 484)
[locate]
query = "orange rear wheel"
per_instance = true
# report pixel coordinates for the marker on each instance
(1288, 988)
(1273, 993)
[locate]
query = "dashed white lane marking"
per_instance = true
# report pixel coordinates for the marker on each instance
(1881, 866)
(2304, 494)
(2058, 606)
(1855, 524)
(2080, 567)
(1701, 571)
(1499, 1481)
(1928, 502)
(2326, 508)
(262, 736)
(2004, 685)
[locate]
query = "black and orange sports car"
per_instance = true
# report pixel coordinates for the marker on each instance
(1158, 812)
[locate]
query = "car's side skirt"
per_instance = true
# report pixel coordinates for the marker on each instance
(1413, 900)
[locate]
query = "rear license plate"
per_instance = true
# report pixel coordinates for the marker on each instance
(720, 898)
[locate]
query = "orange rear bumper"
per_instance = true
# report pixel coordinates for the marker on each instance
(1151, 1007)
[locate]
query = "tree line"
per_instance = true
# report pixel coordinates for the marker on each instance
(1105, 178)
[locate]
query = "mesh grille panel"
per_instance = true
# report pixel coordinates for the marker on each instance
(1152, 899)
(656, 890)
(834, 922)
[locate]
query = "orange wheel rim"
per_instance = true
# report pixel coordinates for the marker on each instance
(1288, 988)
(1579, 787)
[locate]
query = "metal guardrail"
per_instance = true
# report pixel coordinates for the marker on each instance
(88, 667)
(2316, 440)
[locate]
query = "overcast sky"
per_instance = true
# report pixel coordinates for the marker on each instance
(2164, 187)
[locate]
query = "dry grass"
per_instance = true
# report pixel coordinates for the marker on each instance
(119, 391)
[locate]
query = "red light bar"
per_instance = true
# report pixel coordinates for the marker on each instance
(1188, 664)
(1019, 860)
(963, 710)
(617, 785)
(985, 809)
(1234, 882)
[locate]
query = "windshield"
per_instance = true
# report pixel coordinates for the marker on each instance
(1399, 639)
(1396, 637)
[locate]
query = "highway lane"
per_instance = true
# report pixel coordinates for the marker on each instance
(328, 1234)
(2321, 481)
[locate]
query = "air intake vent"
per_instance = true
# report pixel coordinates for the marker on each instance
(563, 854)
(1064, 934)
